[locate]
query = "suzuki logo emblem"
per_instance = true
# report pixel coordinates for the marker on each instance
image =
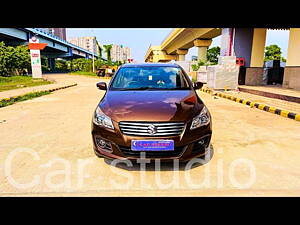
(152, 129)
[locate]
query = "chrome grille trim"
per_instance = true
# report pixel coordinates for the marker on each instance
(162, 128)
(146, 127)
(147, 123)
(151, 135)
(127, 126)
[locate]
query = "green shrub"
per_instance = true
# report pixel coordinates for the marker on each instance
(195, 67)
(10, 101)
(83, 73)
(61, 65)
(14, 60)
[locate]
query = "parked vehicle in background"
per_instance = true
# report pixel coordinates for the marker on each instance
(101, 72)
(106, 71)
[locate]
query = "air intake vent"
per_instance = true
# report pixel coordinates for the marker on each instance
(153, 154)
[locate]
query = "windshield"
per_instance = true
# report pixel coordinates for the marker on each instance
(152, 78)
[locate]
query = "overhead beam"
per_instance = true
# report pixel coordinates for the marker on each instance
(14, 32)
(184, 38)
(179, 38)
(55, 55)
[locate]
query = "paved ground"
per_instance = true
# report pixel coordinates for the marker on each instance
(277, 89)
(46, 150)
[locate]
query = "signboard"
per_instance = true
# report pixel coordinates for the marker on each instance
(39, 46)
(35, 55)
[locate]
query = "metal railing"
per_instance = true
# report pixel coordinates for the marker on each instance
(49, 35)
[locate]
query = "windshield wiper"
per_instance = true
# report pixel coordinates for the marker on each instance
(152, 88)
(179, 88)
(134, 89)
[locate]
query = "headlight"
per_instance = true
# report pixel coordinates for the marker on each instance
(202, 119)
(101, 119)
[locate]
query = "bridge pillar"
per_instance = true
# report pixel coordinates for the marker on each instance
(161, 56)
(202, 45)
(226, 41)
(291, 77)
(51, 63)
(181, 54)
(181, 58)
(249, 43)
(258, 47)
(242, 44)
(254, 74)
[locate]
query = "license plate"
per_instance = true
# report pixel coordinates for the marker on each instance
(152, 145)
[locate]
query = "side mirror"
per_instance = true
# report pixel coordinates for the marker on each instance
(101, 86)
(198, 85)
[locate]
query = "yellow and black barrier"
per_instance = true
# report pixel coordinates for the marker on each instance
(280, 112)
(206, 90)
(59, 88)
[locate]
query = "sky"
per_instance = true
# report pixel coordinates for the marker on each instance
(139, 39)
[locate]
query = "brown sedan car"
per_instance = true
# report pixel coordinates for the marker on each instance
(151, 109)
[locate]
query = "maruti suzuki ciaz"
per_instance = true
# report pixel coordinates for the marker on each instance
(153, 109)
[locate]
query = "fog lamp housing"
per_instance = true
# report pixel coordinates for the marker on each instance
(103, 144)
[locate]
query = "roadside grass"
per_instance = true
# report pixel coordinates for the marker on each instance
(15, 82)
(83, 73)
(31, 95)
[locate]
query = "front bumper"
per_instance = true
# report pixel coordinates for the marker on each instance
(187, 145)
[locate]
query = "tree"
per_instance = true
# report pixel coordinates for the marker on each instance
(99, 63)
(107, 50)
(195, 67)
(99, 50)
(212, 54)
(13, 60)
(3, 59)
(273, 52)
(61, 65)
(81, 64)
(45, 64)
(85, 65)
(22, 58)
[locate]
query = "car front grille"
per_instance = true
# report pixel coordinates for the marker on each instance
(152, 129)
(152, 154)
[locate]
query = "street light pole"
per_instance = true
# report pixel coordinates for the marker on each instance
(93, 54)
(93, 61)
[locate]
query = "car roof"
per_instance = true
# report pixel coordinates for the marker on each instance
(150, 65)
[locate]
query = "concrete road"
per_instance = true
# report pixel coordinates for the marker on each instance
(46, 150)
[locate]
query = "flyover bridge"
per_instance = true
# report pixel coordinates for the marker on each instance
(247, 43)
(56, 48)
(175, 46)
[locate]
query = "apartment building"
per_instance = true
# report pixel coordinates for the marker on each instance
(88, 43)
(59, 32)
(120, 53)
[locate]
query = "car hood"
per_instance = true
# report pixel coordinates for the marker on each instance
(175, 105)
